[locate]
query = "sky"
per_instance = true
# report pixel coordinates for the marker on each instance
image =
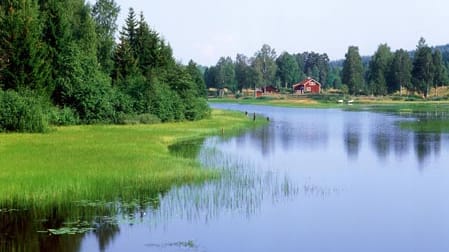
(205, 30)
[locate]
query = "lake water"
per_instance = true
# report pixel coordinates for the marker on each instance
(311, 180)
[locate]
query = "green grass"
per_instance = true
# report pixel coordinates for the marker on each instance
(103, 162)
(426, 126)
(331, 101)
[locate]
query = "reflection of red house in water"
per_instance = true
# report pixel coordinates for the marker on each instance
(308, 85)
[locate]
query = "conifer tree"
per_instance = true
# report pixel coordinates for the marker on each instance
(423, 69)
(352, 73)
(21, 49)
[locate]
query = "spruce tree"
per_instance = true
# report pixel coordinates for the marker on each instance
(21, 49)
(352, 73)
(147, 42)
(423, 69)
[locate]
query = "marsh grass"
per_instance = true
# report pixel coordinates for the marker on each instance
(105, 163)
(426, 126)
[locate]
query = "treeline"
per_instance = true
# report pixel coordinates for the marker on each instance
(388, 72)
(384, 73)
(60, 64)
(267, 68)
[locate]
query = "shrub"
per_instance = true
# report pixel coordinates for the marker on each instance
(22, 112)
(148, 119)
(63, 117)
(136, 119)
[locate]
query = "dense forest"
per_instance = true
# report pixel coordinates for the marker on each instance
(61, 64)
(385, 72)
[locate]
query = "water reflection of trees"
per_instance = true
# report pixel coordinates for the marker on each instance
(390, 138)
(426, 144)
(351, 137)
(304, 135)
(28, 229)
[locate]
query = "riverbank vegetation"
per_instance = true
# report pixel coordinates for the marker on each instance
(60, 64)
(103, 162)
(401, 73)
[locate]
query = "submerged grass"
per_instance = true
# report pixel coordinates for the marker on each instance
(103, 162)
(426, 126)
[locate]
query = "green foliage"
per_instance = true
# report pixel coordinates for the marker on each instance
(316, 65)
(21, 47)
(242, 72)
(105, 13)
(379, 67)
(165, 103)
(440, 71)
(287, 69)
(264, 66)
(135, 119)
(197, 77)
(85, 89)
(22, 112)
(423, 69)
(225, 76)
(352, 73)
(63, 117)
(400, 72)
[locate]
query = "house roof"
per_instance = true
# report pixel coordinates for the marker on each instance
(305, 81)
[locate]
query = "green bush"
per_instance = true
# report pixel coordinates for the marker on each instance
(63, 117)
(148, 119)
(136, 119)
(22, 112)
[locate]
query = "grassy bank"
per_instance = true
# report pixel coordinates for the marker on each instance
(102, 162)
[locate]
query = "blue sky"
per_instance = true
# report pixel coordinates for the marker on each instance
(204, 30)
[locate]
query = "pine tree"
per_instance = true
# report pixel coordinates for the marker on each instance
(125, 65)
(129, 31)
(147, 47)
(56, 35)
(423, 69)
(352, 73)
(21, 49)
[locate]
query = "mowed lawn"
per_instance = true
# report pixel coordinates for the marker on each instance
(102, 162)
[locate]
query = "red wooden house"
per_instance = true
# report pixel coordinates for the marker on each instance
(308, 85)
(270, 90)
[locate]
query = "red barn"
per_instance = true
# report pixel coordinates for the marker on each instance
(308, 85)
(270, 90)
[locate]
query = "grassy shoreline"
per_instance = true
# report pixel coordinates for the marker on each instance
(103, 162)
(432, 116)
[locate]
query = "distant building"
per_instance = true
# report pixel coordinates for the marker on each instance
(270, 90)
(308, 85)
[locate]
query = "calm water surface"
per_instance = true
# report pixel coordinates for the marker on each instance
(311, 180)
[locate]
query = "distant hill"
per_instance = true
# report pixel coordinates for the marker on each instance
(444, 49)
